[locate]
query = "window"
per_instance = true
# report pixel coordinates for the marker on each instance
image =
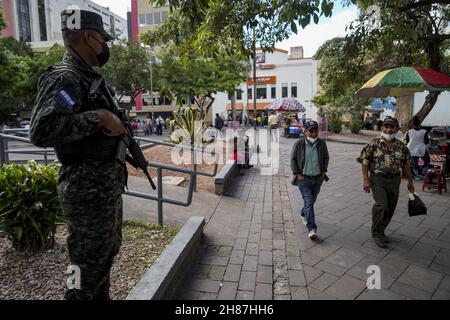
(23, 17)
(156, 18)
(149, 19)
(273, 92)
(249, 93)
(284, 90)
(294, 90)
(42, 21)
(261, 93)
(239, 94)
(142, 20)
(164, 15)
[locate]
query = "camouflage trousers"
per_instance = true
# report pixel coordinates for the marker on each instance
(93, 207)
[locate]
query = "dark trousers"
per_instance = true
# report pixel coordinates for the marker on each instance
(309, 188)
(385, 192)
(421, 171)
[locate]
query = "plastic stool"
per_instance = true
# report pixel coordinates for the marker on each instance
(435, 178)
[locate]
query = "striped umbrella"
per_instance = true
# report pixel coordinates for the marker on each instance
(286, 105)
(404, 80)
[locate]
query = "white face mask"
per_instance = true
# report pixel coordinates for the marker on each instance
(388, 137)
(312, 140)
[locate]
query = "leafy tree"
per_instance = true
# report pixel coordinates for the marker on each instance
(411, 32)
(3, 24)
(128, 69)
(209, 26)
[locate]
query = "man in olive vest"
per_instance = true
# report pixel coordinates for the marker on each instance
(81, 124)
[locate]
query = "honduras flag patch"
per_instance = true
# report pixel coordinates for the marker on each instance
(65, 98)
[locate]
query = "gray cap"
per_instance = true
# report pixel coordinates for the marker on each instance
(311, 125)
(74, 19)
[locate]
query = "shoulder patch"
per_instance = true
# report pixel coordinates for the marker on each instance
(65, 98)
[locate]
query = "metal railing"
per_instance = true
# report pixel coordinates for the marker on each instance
(4, 158)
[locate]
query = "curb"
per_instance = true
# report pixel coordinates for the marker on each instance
(161, 280)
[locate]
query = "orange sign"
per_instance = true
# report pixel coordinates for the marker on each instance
(263, 80)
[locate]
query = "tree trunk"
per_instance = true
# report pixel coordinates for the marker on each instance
(430, 102)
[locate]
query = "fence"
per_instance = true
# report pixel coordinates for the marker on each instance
(5, 152)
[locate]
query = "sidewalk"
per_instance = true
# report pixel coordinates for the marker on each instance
(255, 247)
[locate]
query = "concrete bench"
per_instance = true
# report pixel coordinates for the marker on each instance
(224, 177)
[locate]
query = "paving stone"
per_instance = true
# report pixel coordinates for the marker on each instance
(266, 234)
(299, 293)
(247, 281)
(207, 296)
(315, 294)
(217, 273)
(244, 295)
(297, 278)
(266, 244)
(250, 263)
(232, 273)
(294, 263)
(237, 257)
(345, 258)
(279, 244)
(205, 285)
(264, 274)
(324, 281)
(346, 288)
(441, 295)
(420, 278)
(240, 244)
(263, 291)
(265, 258)
(215, 260)
(310, 259)
(311, 274)
(445, 284)
(380, 294)
(330, 268)
(282, 297)
(252, 249)
(228, 291)
(225, 251)
(410, 292)
(323, 249)
(202, 272)
(279, 255)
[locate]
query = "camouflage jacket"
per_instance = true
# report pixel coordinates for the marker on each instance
(385, 161)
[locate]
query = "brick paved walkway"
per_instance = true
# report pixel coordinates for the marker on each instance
(256, 248)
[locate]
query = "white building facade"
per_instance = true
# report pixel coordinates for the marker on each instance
(39, 21)
(278, 75)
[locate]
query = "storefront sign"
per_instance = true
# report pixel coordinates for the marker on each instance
(263, 80)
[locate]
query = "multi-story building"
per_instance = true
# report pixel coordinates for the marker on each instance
(278, 75)
(39, 21)
(144, 17)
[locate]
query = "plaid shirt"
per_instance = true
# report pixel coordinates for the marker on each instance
(385, 161)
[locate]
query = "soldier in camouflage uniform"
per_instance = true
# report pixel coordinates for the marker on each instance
(385, 158)
(86, 133)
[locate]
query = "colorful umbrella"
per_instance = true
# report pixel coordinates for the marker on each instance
(286, 105)
(405, 80)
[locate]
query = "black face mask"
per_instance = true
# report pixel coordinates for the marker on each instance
(102, 57)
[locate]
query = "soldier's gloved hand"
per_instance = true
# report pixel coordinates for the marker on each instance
(112, 126)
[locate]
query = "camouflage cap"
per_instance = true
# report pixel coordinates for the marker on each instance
(390, 121)
(75, 19)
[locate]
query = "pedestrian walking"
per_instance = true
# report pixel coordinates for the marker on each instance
(309, 164)
(385, 158)
(85, 132)
(417, 140)
(273, 127)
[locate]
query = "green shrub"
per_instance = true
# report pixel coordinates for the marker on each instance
(29, 206)
(335, 125)
(356, 125)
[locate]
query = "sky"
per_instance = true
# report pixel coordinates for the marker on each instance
(310, 38)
